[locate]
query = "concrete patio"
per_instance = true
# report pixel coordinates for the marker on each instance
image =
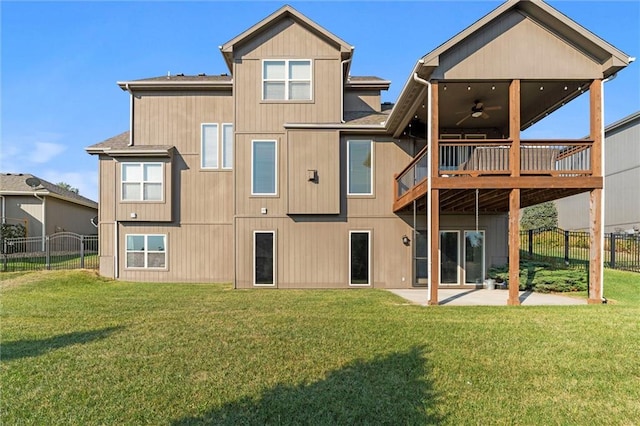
(483, 297)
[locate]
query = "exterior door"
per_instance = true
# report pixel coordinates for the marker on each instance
(449, 257)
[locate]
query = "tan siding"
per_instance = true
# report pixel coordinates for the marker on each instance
(195, 253)
(319, 151)
(108, 184)
(286, 39)
(246, 204)
(175, 118)
(315, 252)
(147, 211)
(362, 100)
(492, 53)
(63, 216)
(255, 115)
(389, 158)
(106, 251)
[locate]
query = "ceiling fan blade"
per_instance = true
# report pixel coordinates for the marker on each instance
(485, 115)
(493, 108)
(460, 122)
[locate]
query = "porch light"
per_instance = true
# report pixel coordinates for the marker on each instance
(405, 240)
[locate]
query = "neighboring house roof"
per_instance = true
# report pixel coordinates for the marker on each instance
(118, 146)
(622, 122)
(610, 59)
(284, 12)
(15, 184)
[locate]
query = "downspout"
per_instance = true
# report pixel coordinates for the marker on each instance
(342, 64)
(4, 211)
(130, 114)
(116, 249)
(429, 151)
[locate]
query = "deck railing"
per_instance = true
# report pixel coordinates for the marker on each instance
(537, 157)
(487, 157)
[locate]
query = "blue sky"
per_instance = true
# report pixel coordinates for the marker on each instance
(60, 62)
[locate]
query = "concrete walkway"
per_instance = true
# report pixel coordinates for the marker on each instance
(482, 297)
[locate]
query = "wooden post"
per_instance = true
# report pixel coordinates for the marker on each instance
(595, 197)
(434, 254)
(514, 127)
(434, 226)
(514, 247)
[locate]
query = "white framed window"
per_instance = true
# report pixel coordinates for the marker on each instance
(216, 146)
(142, 181)
(286, 79)
(359, 258)
(264, 167)
(360, 167)
(227, 146)
(209, 147)
(146, 251)
(264, 258)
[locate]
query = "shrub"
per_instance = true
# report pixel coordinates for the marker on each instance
(543, 277)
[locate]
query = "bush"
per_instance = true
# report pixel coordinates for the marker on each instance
(13, 231)
(543, 277)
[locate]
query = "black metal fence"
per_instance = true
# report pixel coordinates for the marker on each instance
(63, 250)
(571, 248)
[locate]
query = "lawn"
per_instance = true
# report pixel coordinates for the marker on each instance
(78, 349)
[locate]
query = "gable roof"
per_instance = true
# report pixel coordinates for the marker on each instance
(15, 184)
(610, 59)
(280, 14)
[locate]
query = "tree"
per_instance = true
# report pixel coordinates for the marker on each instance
(68, 187)
(543, 215)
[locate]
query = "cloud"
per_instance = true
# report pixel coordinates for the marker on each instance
(45, 151)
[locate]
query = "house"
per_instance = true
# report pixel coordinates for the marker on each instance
(287, 172)
(621, 181)
(44, 208)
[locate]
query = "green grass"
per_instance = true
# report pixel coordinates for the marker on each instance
(31, 263)
(78, 349)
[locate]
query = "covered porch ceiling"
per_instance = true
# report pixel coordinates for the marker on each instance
(483, 106)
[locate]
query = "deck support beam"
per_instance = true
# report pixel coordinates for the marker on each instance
(514, 247)
(514, 194)
(434, 206)
(596, 222)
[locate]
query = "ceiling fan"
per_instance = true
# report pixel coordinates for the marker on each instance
(478, 110)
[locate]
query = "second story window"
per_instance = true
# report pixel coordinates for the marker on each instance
(264, 168)
(286, 79)
(213, 153)
(142, 181)
(359, 167)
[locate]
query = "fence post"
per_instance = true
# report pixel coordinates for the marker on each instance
(530, 242)
(612, 248)
(5, 265)
(82, 251)
(47, 248)
(566, 247)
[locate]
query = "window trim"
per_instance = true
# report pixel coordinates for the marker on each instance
(287, 80)
(369, 250)
(275, 262)
(223, 151)
(275, 166)
(142, 182)
(146, 253)
(217, 153)
(371, 178)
